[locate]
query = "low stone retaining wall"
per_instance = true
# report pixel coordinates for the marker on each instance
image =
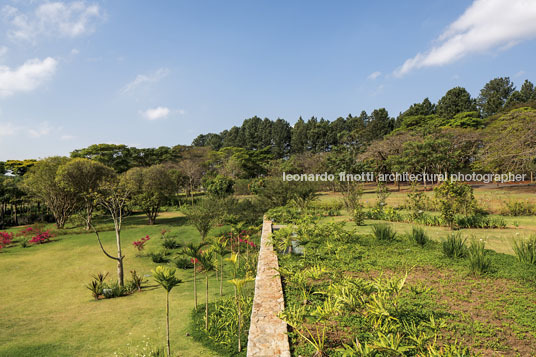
(267, 333)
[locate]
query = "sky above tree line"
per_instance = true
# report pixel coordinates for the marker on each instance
(147, 74)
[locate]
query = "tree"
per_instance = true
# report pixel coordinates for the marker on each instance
(219, 246)
(454, 197)
(166, 278)
(193, 251)
(41, 182)
(220, 186)
(151, 187)
(202, 217)
(207, 263)
(494, 95)
(114, 196)
(239, 285)
(455, 101)
(298, 140)
(379, 125)
(118, 157)
(526, 94)
(193, 171)
(83, 178)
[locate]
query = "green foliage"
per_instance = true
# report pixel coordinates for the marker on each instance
(220, 186)
(419, 236)
(170, 243)
(526, 250)
(454, 246)
(479, 261)
(165, 277)
(159, 257)
(519, 208)
(383, 232)
(466, 120)
(183, 263)
(493, 96)
(454, 197)
(382, 194)
(201, 216)
(456, 100)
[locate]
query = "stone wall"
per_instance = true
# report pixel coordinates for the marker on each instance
(267, 333)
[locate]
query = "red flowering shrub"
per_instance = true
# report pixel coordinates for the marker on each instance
(5, 239)
(42, 237)
(140, 244)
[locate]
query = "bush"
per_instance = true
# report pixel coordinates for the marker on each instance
(479, 262)
(519, 208)
(359, 216)
(383, 232)
(454, 246)
(419, 236)
(170, 243)
(526, 250)
(184, 263)
(159, 257)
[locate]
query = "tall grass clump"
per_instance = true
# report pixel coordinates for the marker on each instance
(419, 236)
(454, 246)
(526, 250)
(383, 232)
(479, 261)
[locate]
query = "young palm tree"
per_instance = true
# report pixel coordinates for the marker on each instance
(220, 248)
(207, 263)
(166, 278)
(236, 262)
(193, 251)
(238, 285)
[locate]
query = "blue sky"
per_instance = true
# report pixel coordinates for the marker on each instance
(151, 73)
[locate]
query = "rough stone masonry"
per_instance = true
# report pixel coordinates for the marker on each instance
(267, 332)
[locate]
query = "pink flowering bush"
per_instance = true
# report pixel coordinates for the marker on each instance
(140, 244)
(42, 237)
(5, 239)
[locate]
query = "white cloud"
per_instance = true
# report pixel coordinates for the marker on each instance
(156, 113)
(3, 51)
(7, 129)
(486, 25)
(374, 75)
(145, 78)
(67, 137)
(43, 130)
(26, 77)
(52, 19)
(75, 51)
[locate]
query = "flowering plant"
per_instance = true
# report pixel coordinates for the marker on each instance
(42, 237)
(5, 239)
(140, 244)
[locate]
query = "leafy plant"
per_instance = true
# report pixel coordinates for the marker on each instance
(184, 263)
(170, 243)
(166, 278)
(454, 246)
(526, 250)
(479, 261)
(383, 232)
(159, 257)
(419, 236)
(140, 243)
(137, 281)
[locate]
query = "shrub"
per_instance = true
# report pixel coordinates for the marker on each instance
(159, 257)
(114, 290)
(184, 263)
(137, 281)
(454, 197)
(419, 236)
(140, 244)
(526, 250)
(454, 246)
(41, 238)
(359, 216)
(383, 232)
(170, 243)
(519, 208)
(5, 239)
(479, 262)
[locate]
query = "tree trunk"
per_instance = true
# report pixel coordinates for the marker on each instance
(206, 301)
(120, 274)
(239, 324)
(424, 179)
(167, 324)
(195, 289)
(221, 276)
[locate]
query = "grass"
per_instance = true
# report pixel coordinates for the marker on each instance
(49, 312)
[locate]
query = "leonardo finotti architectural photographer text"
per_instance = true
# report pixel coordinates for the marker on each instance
(406, 177)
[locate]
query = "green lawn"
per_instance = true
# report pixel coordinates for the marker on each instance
(47, 311)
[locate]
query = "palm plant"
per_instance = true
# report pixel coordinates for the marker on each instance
(207, 263)
(166, 278)
(220, 248)
(236, 262)
(238, 285)
(193, 251)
